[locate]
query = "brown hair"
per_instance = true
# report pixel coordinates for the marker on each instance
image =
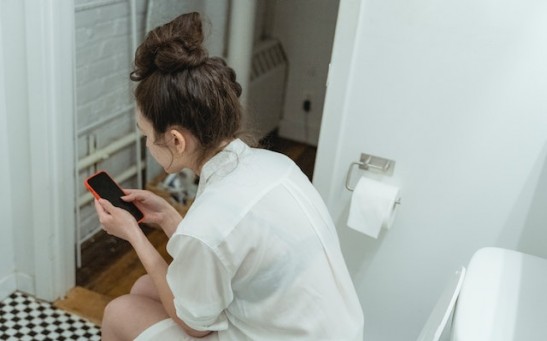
(180, 85)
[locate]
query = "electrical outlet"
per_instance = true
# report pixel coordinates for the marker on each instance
(306, 104)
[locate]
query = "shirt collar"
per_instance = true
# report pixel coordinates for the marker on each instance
(221, 163)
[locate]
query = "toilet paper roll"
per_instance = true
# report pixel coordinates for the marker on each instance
(372, 207)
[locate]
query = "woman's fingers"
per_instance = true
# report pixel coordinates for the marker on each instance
(134, 195)
(106, 205)
(100, 208)
(103, 214)
(114, 220)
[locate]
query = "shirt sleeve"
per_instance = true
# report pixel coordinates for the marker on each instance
(200, 283)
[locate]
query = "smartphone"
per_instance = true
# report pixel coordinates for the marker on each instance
(101, 185)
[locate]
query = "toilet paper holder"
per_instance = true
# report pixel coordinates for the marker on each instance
(371, 163)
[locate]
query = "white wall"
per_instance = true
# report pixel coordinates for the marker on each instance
(306, 29)
(16, 167)
(8, 282)
(454, 92)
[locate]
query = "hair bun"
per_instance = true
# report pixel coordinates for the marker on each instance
(178, 54)
(172, 47)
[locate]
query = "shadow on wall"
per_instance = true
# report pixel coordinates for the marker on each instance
(531, 238)
(534, 235)
(358, 249)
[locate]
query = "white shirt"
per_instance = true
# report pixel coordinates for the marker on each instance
(257, 256)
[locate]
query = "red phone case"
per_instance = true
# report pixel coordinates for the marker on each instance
(89, 188)
(96, 195)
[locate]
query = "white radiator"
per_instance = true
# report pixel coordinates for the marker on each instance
(267, 87)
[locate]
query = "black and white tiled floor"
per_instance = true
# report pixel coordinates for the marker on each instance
(23, 318)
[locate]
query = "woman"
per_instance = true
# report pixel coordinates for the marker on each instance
(257, 256)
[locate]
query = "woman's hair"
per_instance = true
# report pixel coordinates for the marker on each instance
(181, 86)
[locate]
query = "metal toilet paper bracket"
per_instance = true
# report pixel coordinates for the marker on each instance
(371, 163)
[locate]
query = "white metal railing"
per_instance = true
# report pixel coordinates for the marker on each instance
(89, 162)
(104, 153)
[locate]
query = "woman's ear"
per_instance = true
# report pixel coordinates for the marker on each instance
(178, 141)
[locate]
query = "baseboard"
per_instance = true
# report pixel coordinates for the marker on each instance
(8, 285)
(16, 282)
(25, 283)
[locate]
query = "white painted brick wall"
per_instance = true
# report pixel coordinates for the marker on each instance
(103, 61)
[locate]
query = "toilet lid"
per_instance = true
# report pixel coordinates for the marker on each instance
(503, 298)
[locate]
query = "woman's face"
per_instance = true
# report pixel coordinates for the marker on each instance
(159, 150)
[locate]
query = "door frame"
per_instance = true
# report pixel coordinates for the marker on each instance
(327, 160)
(49, 35)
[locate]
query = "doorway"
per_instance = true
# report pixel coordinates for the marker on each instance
(306, 30)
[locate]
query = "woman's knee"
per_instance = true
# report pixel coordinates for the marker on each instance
(127, 316)
(110, 326)
(144, 286)
(117, 307)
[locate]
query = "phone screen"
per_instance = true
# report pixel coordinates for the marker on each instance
(103, 186)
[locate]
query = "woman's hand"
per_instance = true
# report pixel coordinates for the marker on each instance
(117, 221)
(156, 209)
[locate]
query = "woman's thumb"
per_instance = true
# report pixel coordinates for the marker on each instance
(106, 204)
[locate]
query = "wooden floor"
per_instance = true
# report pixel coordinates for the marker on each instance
(110, 266)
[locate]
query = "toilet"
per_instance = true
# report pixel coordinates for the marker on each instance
(503, 297)
(500, 296)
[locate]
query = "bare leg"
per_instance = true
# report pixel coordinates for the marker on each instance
(127, 316)
(145, 286)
